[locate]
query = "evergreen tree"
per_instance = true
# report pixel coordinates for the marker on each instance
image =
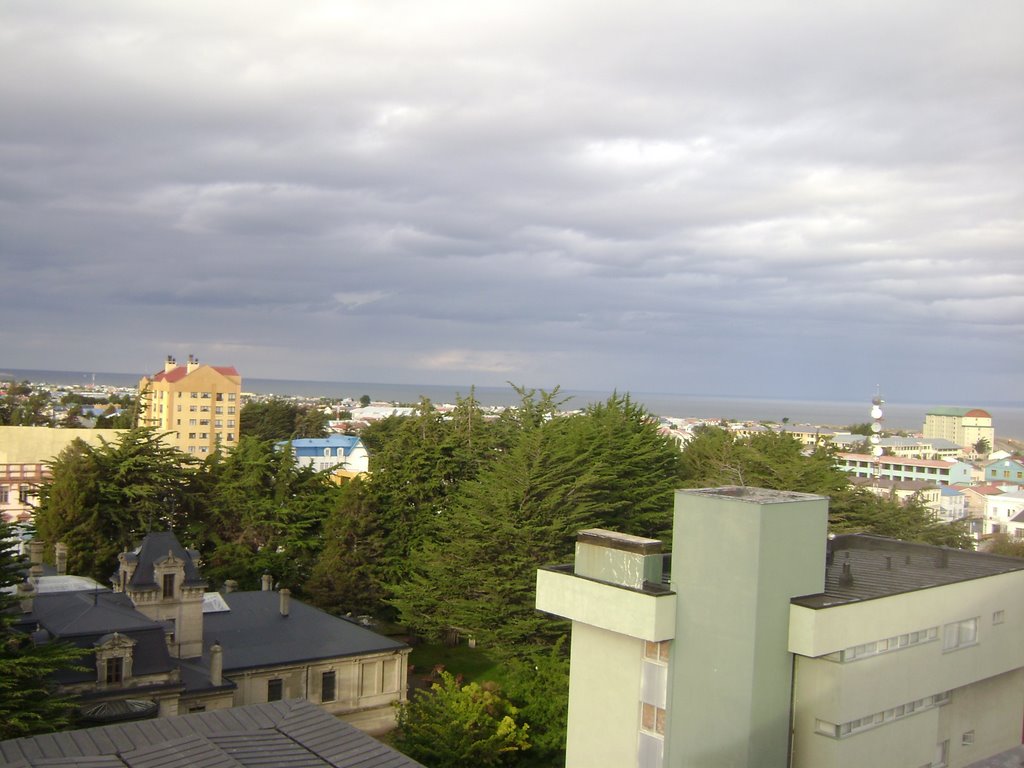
(29, 702)
(345, 578)
(606, 467)
(102, 499)
(263, 514)
(477, 573)
(273, 419)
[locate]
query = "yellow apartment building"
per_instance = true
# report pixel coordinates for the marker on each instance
(197, 405)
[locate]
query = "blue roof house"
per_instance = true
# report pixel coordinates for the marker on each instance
(342, 455)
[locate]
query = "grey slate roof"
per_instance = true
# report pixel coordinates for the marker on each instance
(255, 634)
(879, 567)
(83, 618)
(154, 548)
(282, 734)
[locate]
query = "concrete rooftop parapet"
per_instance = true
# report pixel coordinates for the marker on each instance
(618, 558)
(645, 614)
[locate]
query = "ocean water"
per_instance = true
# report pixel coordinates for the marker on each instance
(1008, 418)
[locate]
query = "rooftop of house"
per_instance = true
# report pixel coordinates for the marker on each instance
(953, 410)
(155, 548)
(253, 632)
(284, 734)
(83, 618)
(179, 373)
(322, 442)
(899, 460)
(864, 567)
(894, 485)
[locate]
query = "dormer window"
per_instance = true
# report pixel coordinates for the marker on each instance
(114, 659)
(168, 586)
(115, 670)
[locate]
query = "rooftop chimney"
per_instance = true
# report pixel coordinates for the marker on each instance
(216, 664)
(170, 364)
(286, 595)
(230, 586)
(61, 556)
(26, 592)
(193, 363)
(268, 582)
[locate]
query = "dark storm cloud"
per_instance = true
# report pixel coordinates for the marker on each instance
(746, 198)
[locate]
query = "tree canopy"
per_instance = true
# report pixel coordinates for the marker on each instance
(455, 725)
(29, 702)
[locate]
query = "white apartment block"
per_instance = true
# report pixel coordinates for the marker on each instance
(897, 468)
(772, 644)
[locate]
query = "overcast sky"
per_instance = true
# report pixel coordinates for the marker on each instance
(757, 198)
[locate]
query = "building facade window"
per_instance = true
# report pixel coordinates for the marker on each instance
(275, 689)
(842, 730)
(168, 586)
(328, 681)
(886, 645)
(114, 670)
(960, 634)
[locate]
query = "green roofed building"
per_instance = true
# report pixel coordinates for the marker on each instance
(963, 426)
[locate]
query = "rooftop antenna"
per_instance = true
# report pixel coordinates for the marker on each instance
(876, 431)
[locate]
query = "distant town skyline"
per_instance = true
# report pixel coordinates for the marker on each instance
(750, 199)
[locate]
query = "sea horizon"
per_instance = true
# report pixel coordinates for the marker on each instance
(1008, 417)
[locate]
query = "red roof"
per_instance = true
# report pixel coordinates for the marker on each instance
(897, 460)
(179, 373)
(984, 490)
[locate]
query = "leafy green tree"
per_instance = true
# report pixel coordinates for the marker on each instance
(101, 499)
(273, 419)
(778, 461)
(983, 446)
(310, 422)
(641, 468)
(29, 701)
(605, 467)
(417, 463)
(477, 573)
(864, 428)
(23, 406)
(72, 418)
(365, 401)
(538, 684)
(345, 578)
(263, 513)
(455, 725)
(858, 510)
(1001, 544)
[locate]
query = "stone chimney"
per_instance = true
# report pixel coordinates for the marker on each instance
(35, 552)
(286, 599)
(268, 582)
(216, 664)
(193, 363)
(26, 593)
(230, 586)
(61, 556)
(170, 364)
